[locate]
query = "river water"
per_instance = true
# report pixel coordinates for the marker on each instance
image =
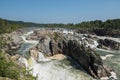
(65, 69)
(112, 59)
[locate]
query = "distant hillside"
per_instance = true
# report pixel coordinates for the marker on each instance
(7, 26)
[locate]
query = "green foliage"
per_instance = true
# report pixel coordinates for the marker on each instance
(55, 36)
(7, 68)
(7, 26)
(2, 42)
(10, 69)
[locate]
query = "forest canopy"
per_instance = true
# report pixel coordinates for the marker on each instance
(7, 26)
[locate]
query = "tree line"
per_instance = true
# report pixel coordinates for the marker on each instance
(7, 26)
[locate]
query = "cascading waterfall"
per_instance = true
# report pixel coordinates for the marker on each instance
(29, 41)
(41, 57)
(55, 70)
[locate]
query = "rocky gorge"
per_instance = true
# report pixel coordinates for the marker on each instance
(40, 47)
(53, 42)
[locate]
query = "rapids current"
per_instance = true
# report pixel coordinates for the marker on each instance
(47, 69)
(65, 69)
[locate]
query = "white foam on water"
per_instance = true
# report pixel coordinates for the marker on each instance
(52, 70)
(104, 37)
(106, 56)
(113, 75)
(109, 51)
(104, 78)
(42, 57)
(67, 32)
(28, 33)
(24, 61)
(94, 45)
(29, 41)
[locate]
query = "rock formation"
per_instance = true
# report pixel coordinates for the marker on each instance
(87, 58)
(108, 44)
(11, 43)
(51, 43)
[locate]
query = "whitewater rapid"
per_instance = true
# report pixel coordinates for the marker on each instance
(47, 69)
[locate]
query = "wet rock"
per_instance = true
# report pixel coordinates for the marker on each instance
(108, 44)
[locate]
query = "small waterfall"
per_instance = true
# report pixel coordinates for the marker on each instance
(93, 45)
(41, 57)
(106, 56)
(29, 41)
(28, 33)
(55, 70)
(24, 61)
(24, 38)
(67, 32)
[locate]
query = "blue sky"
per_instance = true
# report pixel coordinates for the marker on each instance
(59, 11)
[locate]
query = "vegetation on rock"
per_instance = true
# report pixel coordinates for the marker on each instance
(10, 69)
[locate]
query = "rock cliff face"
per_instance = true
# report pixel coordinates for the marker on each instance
(55, 43)
(87, 58)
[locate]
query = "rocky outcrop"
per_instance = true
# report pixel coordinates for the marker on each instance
(100, 32)
(13, 46)
(11, 42)
(56, 43)
(44, 46)
(38, 34)
(87, 58)
(107, 32)
(49, 47)
(108, 44)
